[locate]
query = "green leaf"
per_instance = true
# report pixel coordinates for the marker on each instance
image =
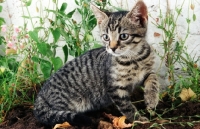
(1, 42)
(57, 63)
(70, 14)
(13, 64)
(27, 17)
(59, 22)
(39, 28)
(35, 59)
(65, 34)
(79, 10)
(34, 35)
(56, 34)
(72, 52)
(42, 48)
(63, 7)
(53, 11)
(92, 22)
(178, 11)
(194, 17)
(77, 3)
(1, 8)
(28, 3)
(46, 67)
(2, 21)
(65, 50)
(188, 20)
(89, 38)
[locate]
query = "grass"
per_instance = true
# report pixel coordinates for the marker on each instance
(7, 82)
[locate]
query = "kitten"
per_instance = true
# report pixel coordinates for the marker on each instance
(103, 76)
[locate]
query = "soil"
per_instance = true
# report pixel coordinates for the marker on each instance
(182, 116)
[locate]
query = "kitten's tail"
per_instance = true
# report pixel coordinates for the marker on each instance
(49, 116)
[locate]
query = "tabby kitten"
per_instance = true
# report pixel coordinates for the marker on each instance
(103, 76)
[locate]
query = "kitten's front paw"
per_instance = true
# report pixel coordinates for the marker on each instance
(151, 100)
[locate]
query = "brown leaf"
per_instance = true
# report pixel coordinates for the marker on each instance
(110, 116)
(187, 94)
(105, 125)
(119, 122)
(63, 125)
(156, 34)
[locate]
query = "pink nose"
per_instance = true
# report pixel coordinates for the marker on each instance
(113, 45)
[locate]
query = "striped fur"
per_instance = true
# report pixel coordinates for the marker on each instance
(103, 76)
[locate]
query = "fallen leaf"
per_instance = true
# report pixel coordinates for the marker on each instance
(63, 125)
(119, 122)
(156, 34)
(187, 94)
(110, 116)
(105, 125)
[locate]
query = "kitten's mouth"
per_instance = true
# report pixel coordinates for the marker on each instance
(117, 52)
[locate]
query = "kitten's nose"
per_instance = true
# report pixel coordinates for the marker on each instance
(113, 49)
(113, 45)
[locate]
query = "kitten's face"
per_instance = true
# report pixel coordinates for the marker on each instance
(118, 34)
(121, 32)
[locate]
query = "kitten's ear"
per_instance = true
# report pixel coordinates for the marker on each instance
(100, 16)
(138, 15)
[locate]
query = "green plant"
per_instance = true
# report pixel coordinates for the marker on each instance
(2, 22)
(175, 53)
(8, 69)
(76, 34)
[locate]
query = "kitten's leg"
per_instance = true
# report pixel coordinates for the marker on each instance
(121, 99)
(49, 116)
(57, 117)
(151, 91)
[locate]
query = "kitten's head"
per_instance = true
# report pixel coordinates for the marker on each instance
(122, 31)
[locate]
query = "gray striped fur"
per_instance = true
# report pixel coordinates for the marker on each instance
(103, 76)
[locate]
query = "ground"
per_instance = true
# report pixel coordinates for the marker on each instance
(182, 116)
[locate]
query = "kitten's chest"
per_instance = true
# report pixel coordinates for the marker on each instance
(127, 74)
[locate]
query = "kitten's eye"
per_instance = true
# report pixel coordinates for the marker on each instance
(106, 37)
(123, 36)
